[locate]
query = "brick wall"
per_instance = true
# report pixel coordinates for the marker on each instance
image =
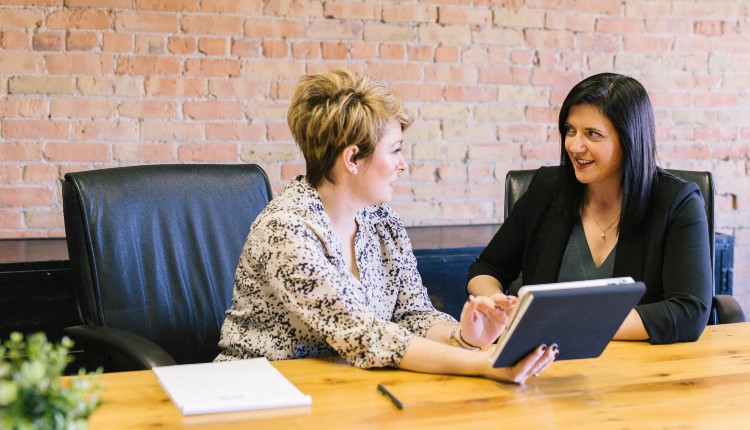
(98, 83)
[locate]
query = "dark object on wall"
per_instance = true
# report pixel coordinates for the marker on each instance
(153, 250)
(723, 264)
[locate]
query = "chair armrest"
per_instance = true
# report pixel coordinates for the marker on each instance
(144, 353)
(728, 310)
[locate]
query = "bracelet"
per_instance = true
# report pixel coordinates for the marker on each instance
(459, 340)
(467, 343)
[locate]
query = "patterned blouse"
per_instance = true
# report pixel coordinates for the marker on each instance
(294, 297)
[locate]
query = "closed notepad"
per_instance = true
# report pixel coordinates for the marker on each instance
(580, 317)
(228, 386)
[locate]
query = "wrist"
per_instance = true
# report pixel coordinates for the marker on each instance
(457, 340)
(465, 342)
(484, 285)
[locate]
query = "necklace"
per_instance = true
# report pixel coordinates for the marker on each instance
(599, 226)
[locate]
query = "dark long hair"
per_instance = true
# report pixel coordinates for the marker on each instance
(625, 103)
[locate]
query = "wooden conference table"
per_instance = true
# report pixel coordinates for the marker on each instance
(705, 384)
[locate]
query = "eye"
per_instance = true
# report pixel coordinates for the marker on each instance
(593, 134)
(570, 131)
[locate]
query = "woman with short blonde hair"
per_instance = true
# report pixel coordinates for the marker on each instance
(328, 267)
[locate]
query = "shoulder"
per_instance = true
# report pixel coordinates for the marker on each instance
(296, 209)
(547, 175)
(671, 193)
(548, 172)
(545, 182)
(298, 196)
(381, 217)
(668, 186)
(382, 221)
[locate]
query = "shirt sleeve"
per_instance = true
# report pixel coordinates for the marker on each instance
(300, 272)
(682, 314)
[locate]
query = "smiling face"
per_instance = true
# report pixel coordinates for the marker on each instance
(593, 146)
(381, 170)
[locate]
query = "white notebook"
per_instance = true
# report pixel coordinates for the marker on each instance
(228, 386)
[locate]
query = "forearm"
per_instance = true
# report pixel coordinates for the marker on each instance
(675, 320)
(440, 332)
(484, 285)
(428, 356)
(632, 328)
(431, 356)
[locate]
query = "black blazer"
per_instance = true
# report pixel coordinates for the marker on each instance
(668, 251)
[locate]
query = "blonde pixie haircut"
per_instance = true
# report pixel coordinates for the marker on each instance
(332, 110)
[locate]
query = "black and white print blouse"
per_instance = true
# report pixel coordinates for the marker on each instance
(294, 297)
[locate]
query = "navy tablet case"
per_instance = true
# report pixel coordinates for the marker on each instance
(580, 320)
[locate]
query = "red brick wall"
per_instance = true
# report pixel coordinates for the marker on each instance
(98, 83)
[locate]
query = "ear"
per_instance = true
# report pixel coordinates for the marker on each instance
(349, 156)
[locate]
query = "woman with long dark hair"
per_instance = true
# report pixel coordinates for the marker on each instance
(607, 211)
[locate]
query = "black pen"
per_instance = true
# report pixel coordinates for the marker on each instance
(384, 391)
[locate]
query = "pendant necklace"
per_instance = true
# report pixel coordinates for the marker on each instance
(605, 230)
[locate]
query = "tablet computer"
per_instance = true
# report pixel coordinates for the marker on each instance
(580, 317)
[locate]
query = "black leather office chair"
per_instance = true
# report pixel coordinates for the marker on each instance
(153, 250)
(724, 308)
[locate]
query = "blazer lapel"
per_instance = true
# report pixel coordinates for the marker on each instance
(555, 240)
(629, 259)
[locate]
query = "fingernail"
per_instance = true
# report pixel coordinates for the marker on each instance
(544, 347)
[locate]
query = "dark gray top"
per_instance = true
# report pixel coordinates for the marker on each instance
(578, 264)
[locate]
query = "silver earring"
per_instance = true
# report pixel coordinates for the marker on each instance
(354, 170)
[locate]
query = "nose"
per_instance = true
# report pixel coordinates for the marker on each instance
(401, 166)
(575, 143)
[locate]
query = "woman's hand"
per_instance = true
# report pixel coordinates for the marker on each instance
(484, 318)
(531, 365)
(432, 356)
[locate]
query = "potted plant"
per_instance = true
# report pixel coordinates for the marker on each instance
(32, 394)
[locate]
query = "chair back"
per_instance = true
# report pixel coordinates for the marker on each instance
(516, 183)
(153, 249)
(705, 183)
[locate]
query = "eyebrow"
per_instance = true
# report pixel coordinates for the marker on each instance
(598, 130)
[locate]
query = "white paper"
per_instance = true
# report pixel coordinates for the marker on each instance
(228, 386)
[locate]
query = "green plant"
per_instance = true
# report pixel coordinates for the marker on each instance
(32, 395)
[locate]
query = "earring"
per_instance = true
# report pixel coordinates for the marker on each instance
(354, 170)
